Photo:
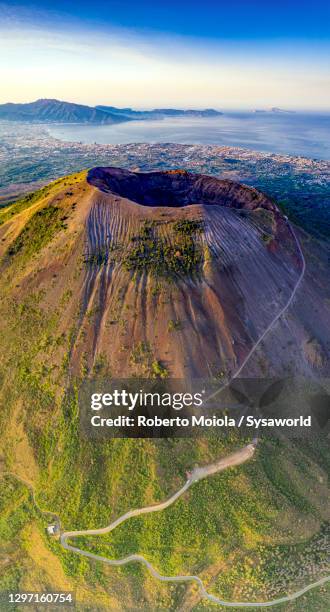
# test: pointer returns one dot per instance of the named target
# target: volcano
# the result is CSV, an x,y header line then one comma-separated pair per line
x,y
111,273
201,265
162,273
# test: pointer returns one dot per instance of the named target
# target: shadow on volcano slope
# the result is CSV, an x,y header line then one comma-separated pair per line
x,y
176,188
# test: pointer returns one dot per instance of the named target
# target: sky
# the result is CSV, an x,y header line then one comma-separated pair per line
x,y
145,54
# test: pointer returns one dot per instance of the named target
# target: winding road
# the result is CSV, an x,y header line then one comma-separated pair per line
x,y
197,474
275,320
285,307
234,459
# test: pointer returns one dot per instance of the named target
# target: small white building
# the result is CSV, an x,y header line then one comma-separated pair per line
x,y
52,530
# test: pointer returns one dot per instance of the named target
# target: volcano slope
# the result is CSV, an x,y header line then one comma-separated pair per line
x,y
165,274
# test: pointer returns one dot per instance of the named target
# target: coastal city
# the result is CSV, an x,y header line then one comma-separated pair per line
x,y
30,158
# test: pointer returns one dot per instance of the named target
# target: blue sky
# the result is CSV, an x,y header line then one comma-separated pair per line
x,y
238,54
237,20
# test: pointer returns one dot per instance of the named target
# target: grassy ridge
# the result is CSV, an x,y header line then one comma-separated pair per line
x,y
8,212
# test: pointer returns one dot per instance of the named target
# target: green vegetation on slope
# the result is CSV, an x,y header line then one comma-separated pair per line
x,y
240,523
244,511
17,207
38,232
144,363
25,202
16,510
236,534
152,253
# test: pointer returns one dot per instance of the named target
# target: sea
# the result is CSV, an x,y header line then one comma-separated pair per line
x,y
302,134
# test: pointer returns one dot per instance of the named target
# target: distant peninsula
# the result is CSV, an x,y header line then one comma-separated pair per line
x,y
159,113
56,111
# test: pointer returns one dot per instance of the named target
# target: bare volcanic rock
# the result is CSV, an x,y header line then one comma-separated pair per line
x,y
166,274
197,267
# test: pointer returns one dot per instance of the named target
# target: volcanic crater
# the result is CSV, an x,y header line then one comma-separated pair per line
x,y
177,189
194,269
162,273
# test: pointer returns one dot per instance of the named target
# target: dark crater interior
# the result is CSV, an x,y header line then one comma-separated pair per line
x,y
176,188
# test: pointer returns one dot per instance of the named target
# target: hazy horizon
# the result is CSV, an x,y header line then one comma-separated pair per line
x,y
132,106
167,56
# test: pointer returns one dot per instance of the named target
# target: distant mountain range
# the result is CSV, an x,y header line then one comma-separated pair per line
x,y
57,111
159,113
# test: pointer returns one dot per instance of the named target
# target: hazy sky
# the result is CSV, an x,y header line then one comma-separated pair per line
x,y
143,54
